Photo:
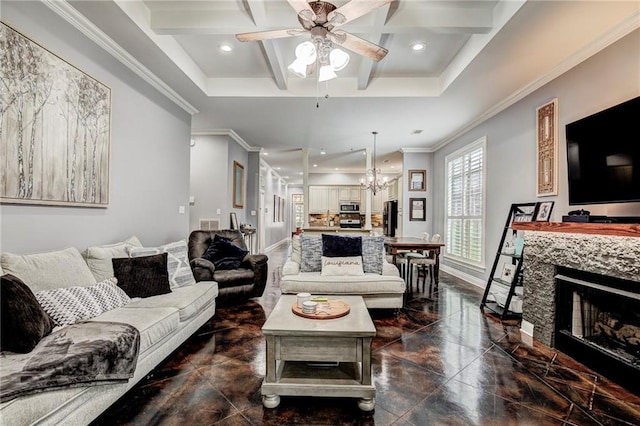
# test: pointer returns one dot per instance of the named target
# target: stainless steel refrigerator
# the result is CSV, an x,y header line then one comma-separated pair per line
x,y
390,218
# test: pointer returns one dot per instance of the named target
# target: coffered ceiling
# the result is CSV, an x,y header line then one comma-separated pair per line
x,y
479,58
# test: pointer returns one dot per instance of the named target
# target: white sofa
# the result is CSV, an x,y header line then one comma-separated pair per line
x,y
164,322
384,290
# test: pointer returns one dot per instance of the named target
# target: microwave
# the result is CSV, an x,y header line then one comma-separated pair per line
x,y
350,207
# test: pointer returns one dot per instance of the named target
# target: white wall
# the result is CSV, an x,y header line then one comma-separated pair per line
x,y
149,154
606,79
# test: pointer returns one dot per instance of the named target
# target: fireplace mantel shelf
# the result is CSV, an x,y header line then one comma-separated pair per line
x,y
617,229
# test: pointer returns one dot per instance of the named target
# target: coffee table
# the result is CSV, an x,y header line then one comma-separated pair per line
x,y
319,357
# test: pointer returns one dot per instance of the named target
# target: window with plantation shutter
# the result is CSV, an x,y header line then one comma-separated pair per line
x,y
464,204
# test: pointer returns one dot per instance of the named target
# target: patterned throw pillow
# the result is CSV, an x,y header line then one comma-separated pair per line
x,y
178,268
311,253
72,304
342,266
373,254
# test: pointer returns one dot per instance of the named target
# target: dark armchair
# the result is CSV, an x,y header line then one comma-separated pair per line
x,y
245,282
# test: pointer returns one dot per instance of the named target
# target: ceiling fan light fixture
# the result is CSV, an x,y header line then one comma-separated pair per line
x,y
306,53
326,73
298,68
338,59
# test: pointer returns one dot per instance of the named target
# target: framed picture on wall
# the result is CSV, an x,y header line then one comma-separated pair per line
x,y
417,209
547,149
276,204
281,209
417,180
238,185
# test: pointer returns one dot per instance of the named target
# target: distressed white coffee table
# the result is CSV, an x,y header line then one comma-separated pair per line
x,y
293,342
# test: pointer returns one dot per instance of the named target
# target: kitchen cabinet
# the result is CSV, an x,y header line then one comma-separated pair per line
x,y
333,200
393,190
377,201
318,199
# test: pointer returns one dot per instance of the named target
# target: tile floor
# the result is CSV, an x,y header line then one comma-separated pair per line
x,y
439,361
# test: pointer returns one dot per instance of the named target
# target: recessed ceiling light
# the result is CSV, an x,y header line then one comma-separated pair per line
x,y
337,168
315,165
300,173
226,48
265,153
418,46
322,152
278,168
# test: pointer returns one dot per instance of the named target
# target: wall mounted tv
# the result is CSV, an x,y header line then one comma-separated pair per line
x,y
603,156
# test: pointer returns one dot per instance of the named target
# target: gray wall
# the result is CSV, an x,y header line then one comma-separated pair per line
x,y
417,161
239,154
606,79
149,154
209,180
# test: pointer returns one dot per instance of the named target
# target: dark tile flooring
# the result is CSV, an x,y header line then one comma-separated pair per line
x,y
439,361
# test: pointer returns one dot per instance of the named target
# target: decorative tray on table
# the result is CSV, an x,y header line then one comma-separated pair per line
x,y
326,310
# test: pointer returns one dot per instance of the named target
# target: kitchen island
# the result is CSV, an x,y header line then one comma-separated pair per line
x,y
335,229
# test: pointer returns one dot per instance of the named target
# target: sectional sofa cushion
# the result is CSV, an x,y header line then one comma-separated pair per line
x,y
311,253
46,271
178,268
98,258
341,245
187,300
142,276
73,304
23,322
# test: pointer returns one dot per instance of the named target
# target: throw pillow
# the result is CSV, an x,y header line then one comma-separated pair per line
x,y
341,246
373,254
23,322
72,304
142,276
224,254
311,253
98,258
178,268
296,249
342,266
44,271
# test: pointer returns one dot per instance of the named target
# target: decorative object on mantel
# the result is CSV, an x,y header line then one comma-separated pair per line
x,y
543,211
68,163
547,149
373,181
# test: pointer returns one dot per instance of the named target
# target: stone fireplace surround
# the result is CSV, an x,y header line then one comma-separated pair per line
x,y
610,250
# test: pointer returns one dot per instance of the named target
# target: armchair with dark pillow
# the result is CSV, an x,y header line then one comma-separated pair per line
x,y
222,256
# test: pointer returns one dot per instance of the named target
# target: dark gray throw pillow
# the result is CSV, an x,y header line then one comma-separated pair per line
x,y
143,276
341,246
224,254
23,322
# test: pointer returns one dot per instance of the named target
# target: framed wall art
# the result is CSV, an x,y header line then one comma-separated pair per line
x,y
417,180
417,209
238,185
276,205
281,209
547,149
55,128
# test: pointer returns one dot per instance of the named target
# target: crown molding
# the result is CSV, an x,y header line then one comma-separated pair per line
x,y
67,12
624,28
416,150
232,134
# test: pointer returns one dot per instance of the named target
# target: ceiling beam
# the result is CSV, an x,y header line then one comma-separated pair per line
x,y
365,71
257,8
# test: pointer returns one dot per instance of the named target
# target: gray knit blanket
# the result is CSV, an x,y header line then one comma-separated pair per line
x,y
82,354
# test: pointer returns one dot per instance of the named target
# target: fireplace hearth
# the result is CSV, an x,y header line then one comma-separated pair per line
x,y
598,323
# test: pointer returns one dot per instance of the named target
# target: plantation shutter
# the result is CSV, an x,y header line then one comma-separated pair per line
x,y
465,205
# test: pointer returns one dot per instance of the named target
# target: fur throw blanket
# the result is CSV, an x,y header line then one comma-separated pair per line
x,y
81,354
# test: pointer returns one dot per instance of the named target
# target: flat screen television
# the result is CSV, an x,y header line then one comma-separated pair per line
x,y
603,156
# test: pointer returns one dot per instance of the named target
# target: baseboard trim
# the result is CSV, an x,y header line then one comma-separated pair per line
x,y
463,276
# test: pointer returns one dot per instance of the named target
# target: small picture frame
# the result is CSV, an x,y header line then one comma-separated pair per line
x,y
508,272
417,209
234,221
543,211
417,180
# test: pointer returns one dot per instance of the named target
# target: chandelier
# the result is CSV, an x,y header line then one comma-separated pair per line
x,y
321,53
373,181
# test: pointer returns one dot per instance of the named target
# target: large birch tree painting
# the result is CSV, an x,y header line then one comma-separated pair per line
x,y
55,124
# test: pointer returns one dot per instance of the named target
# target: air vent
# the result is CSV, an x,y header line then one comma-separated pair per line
x,y
416,132
209,224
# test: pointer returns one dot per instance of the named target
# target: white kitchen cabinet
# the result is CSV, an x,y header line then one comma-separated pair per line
x,y
333,199
355,194
377,201
318,199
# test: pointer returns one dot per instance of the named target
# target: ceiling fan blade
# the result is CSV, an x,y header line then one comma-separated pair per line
x,y
358,45
303,10
352,10
266,35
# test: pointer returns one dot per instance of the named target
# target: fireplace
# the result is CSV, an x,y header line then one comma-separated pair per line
x,y
598,323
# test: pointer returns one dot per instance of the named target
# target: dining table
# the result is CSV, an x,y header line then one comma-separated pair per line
x,y
420,245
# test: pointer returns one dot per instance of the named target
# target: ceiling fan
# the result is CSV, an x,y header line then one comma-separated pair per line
x,y
320,18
